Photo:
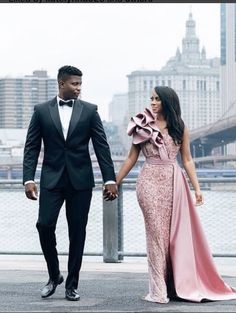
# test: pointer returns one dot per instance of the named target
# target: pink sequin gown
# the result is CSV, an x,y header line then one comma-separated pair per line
x,y
179,259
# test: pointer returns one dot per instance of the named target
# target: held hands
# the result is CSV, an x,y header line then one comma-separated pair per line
x,y
110,192
199,198
31,191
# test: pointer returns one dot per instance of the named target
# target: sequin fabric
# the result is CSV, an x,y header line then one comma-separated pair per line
x,y
155,196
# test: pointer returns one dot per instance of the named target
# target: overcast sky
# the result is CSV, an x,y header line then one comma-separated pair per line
x,y
106,41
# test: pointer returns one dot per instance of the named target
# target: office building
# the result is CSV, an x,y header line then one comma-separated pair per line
x,y
18,95
194,77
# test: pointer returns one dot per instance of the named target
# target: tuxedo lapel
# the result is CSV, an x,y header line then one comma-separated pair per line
x,y
75,116
55,116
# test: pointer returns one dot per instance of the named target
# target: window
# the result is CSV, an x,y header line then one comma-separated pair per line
x,y
144,85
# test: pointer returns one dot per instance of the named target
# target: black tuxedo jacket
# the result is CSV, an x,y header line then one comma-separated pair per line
x,y
72,153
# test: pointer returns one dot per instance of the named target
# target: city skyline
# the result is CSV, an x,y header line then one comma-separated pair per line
x,y
107,41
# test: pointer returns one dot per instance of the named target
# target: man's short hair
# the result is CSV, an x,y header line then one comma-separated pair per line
x,y
65,71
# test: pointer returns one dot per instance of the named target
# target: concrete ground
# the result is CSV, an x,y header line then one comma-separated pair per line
x,y
104,287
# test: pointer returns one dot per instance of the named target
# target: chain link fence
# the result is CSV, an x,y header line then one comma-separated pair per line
x,y
18,217
217,215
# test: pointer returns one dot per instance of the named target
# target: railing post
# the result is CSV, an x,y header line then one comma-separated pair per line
x,y
113,229
120,224
110,231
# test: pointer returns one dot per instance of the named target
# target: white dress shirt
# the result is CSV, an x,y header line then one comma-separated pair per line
x,y
65,115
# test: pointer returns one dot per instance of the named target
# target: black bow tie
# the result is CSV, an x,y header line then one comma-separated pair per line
x,y
69,103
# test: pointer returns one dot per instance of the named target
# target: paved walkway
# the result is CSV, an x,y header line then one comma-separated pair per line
x,y
104,287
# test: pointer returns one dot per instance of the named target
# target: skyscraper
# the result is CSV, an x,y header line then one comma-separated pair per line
x,y
118,116
118,108
228,58
228,64
19,95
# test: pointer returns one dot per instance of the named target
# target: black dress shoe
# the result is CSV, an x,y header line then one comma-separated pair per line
x,y
51,286
72,295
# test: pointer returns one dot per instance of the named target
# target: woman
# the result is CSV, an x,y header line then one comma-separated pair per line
x,y
179,259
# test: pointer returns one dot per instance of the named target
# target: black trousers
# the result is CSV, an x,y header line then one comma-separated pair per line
x,y
77,204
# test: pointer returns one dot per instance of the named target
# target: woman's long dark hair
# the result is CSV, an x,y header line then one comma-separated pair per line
x,y
171,112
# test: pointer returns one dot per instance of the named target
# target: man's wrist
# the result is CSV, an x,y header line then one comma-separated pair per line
x,y
29,182
110,182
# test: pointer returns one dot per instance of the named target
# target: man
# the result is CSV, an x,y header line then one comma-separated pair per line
x,y
65,124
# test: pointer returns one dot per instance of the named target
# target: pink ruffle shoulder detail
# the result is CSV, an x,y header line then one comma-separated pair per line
x,y
143,128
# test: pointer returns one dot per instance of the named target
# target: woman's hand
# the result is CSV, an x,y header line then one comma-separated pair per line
x,y
199,198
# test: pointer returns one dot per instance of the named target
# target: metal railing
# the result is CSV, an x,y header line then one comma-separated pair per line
x,y
115,229
218,216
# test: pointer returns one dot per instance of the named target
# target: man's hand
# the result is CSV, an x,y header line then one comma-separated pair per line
x,y
110,192
31,191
